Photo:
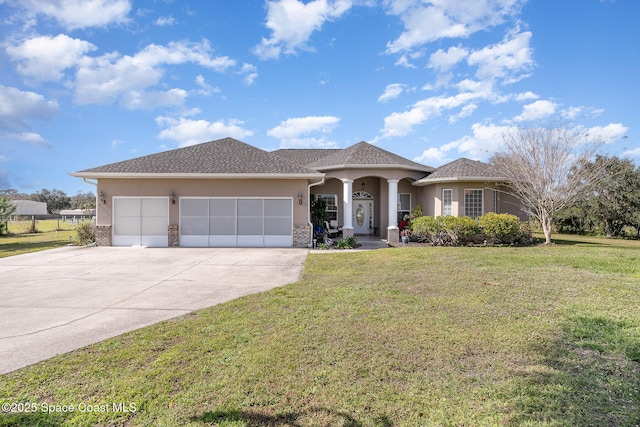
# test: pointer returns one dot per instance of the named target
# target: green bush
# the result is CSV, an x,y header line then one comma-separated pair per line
x,y
85,233
501,228
460,231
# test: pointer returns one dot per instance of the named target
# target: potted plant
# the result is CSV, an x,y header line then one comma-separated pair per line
x,y
404,234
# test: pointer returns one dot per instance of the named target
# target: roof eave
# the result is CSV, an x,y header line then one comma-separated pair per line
x,y
428,181
364,166
128,175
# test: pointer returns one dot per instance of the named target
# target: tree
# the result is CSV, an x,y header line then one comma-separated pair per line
x,y
56,200
617,195
545,168
7,208
83,200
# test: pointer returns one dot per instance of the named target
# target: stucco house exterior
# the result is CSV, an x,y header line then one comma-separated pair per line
x,y
227,193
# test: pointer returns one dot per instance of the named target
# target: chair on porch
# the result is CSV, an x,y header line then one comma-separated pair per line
x,y
332,229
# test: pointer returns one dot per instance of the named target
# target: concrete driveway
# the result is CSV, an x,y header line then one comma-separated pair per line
x,y
59,300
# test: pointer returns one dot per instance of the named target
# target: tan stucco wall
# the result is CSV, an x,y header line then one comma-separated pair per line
x,y
202,188
493,201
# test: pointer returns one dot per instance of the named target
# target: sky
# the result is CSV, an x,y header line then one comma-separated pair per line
x,y
85,83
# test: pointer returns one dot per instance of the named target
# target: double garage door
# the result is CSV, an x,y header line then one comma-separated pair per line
x,y
220,222
243,222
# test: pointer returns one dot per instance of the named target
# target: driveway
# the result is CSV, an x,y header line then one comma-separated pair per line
x,y
59,300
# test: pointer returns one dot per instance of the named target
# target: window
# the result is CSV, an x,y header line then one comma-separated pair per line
x,y
447,197
473,202
332,205
404,205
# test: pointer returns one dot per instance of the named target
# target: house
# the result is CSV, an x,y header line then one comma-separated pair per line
x,y
227,193
73,215
29,208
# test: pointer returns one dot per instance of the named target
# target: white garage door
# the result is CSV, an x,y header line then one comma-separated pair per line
x,y
140,221
229,222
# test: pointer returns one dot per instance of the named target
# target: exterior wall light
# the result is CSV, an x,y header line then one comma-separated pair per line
x,y
362,185
300,195
172,197
102,199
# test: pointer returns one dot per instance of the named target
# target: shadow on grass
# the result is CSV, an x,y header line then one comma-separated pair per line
x,y
254,419
32,419
591,377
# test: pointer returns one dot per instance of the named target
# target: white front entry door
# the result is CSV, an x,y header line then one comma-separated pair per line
x,y
363,216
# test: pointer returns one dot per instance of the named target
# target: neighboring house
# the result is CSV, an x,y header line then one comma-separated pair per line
x,y
77,214
29,208
228,193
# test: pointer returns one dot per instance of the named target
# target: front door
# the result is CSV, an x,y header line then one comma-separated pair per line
x,y
363,216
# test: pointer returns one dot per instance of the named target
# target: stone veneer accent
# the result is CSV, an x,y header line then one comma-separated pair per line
x,y
174,237
301,236
103,235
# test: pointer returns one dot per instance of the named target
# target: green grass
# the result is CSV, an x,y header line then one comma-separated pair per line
x,y
540,336
50,234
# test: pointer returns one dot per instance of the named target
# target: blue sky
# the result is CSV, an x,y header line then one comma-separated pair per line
x,y
89,82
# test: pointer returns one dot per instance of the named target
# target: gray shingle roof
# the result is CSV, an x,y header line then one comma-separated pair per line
x,y
305,156
223,156
366,155
462,169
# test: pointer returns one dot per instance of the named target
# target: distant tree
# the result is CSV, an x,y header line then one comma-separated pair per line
x,y
617,195
56,200
545,167
13,194
83,200
6,210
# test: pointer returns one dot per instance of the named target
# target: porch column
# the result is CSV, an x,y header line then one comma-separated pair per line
x,y
392,230
347,209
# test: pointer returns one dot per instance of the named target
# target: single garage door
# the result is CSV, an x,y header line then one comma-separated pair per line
x,y
230,222
140,221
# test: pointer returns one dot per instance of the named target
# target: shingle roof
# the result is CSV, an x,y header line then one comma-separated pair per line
x,y
305,156
463,169
223,156
364,155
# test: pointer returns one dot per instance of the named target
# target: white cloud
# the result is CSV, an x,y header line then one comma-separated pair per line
x,y
436,155
189,132
425,22
608,133
110,77
292,22
18,107
44,58
504,60
632,153
444,61
165,21
293,128
392,91
526,96
537,110
205,88
28,137
249,72
77,14
486,140
402,123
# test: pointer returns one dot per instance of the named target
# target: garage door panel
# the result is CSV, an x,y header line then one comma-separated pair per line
x,y
195,226
222,207
222,226
278,241
127,226
223,241
276,207
194,207
277,226
250,207
250,227
256,241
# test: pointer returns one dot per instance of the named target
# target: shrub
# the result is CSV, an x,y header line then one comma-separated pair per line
x,y
85,233
501,228
445,230
348,243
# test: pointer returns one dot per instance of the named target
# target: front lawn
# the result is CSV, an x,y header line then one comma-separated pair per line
x,y
536,336
49,234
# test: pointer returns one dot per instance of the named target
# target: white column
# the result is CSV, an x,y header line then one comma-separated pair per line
x,y
392,230
347,203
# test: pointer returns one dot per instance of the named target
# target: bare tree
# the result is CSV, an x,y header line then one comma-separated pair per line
x,y
546,168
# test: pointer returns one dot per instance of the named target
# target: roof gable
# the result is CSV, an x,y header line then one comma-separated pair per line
x,y
305,156
463,170
365,155
223,156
